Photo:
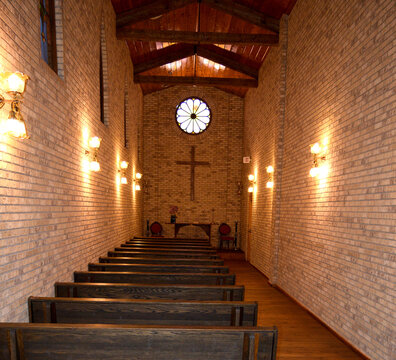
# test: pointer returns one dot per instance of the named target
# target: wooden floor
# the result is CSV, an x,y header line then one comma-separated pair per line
x,y
300,335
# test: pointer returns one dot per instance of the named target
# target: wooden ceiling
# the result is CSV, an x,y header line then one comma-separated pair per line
x,y
219,43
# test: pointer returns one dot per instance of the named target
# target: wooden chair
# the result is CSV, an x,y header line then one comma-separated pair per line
x,y
156,229
225,230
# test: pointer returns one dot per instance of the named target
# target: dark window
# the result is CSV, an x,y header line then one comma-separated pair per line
x,y
101,80
48,33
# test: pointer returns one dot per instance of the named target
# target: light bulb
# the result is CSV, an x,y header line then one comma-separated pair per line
x,y
15,82
315,148
137,187
14,125
250,189
270,169
270,184
251,177
94,166
124,180
138,176
313,172
94,142
124,164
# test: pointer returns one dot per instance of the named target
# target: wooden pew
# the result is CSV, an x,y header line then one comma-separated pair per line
x,y
166,246
175,251
169,261
178,239
147,291
122,342
162,255
153,278
148,312
158,268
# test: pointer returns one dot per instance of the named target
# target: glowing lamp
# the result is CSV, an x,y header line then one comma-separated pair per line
x,y
270,169
251,177
14,83
94,166
138,176
316,148
94,142
124,180
124,164
250,189
270,184
314,171
137,187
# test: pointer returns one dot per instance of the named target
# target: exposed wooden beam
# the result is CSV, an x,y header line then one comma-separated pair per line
x,y
150,10
164,56
245,13
197,37
227,58
190,80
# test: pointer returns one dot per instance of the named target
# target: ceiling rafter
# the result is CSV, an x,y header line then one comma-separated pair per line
x,y
193,80
227,58
148,11
164,56
160,7
211,52
192,37
245,13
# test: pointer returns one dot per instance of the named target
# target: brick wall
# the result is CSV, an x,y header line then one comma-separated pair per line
x,y
216,192
336,235
55,216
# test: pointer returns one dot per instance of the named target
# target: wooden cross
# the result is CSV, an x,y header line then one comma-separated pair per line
x,y
193,164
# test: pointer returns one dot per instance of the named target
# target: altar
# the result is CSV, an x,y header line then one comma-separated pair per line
x,y
207,227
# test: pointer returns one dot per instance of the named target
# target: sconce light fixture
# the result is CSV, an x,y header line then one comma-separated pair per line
x,y
270,182
94,144
122,171
318,152
14,85
252,180
138,176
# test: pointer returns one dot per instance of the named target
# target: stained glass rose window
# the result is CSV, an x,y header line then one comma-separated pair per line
x,y
193,116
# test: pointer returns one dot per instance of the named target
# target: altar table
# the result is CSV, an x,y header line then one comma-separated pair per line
x,y
205,227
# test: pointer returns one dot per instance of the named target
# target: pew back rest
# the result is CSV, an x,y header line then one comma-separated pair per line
x,y
158,268
122,342
154,278
149,312
155,291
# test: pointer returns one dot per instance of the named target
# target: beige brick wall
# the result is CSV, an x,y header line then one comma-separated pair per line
x,y
337,235
55,217
216,192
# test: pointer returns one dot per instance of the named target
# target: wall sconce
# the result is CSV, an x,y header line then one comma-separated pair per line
x,y
270,182
239,187
14,85
94,144
122,171
137,179
319,157
252,180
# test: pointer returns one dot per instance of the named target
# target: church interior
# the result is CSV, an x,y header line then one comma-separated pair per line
x,y
260,134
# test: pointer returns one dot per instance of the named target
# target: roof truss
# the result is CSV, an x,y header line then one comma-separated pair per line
x,y
160,7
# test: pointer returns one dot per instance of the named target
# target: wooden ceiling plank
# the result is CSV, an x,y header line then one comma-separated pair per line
x,y
245,13
191,80
150,10
197,37
226,58
164,56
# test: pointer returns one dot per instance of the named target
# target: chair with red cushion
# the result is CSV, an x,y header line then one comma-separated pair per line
x,y
156,229
224,230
